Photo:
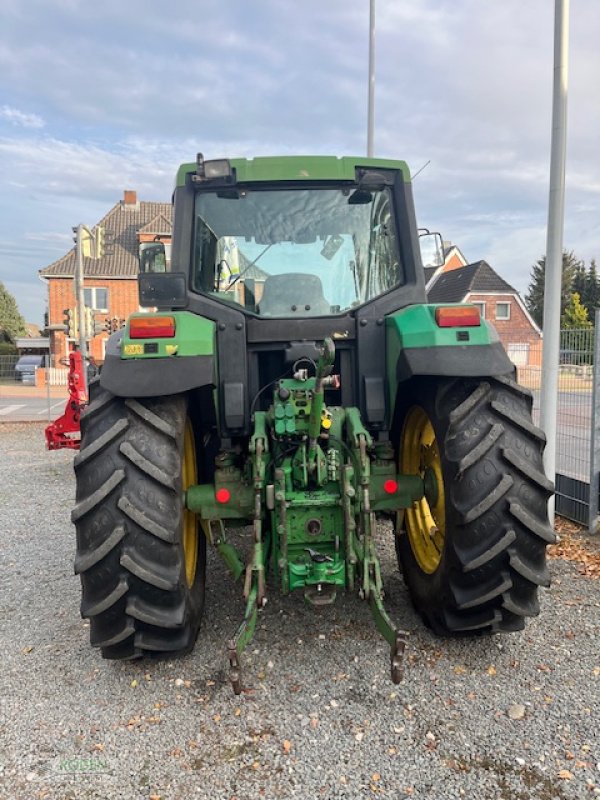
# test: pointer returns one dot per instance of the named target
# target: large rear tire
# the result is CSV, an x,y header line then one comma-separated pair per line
x,y
140,554
473,550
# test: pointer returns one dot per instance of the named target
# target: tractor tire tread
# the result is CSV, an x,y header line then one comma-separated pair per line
x,y
162,579
470,562
85,560
528,609
520,420
101,442
146,465
540,529
497,529
538,576
102,398
129,517
99,496
483,593
481,449
102,604
146,522
151,418
466,407
526,469
479,509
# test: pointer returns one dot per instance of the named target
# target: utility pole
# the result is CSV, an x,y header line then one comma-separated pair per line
x,y
80,299
554,242
371,110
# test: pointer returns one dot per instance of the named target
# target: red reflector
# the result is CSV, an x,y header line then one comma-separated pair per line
x,y
457,317
151,327
223,495
390,487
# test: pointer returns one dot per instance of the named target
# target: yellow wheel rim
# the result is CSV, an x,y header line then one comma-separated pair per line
x,y
426,519
189,477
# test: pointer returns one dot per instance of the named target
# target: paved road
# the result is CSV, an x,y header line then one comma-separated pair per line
x,y
574,425
36,408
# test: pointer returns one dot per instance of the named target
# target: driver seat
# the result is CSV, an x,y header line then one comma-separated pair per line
x,y
296,292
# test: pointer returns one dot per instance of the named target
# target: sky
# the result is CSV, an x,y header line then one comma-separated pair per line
x,y
96,98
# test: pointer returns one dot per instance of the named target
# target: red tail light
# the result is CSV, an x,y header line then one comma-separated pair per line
x,y
457,317
223,495
151,327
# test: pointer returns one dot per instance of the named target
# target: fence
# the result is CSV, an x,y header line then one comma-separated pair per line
x,y
576,461
32,388
21,369
7,368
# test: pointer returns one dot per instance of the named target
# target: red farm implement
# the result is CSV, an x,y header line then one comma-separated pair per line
x,y
64,431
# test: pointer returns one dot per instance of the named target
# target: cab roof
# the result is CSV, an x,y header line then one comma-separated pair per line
x,y
300,168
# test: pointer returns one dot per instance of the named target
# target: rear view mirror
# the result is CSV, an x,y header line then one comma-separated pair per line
x,y
432,248
153,257
331,246
360,197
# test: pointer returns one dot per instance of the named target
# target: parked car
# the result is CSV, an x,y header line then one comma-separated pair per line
x,y
26,366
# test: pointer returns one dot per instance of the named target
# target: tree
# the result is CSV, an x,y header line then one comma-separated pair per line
x,y
11,321
579,280
575,315
591,291
534,299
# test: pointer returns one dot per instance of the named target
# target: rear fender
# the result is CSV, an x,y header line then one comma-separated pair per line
x,y
156,367
416,345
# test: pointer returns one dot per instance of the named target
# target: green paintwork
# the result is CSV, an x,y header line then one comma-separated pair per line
x,y
291,415
356,428
313,521
231,558
382,621
194,336
410,489
415,327
201,500
300,168
303,572
245,632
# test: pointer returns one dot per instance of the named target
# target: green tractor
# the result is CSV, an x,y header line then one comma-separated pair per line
x,y
290,377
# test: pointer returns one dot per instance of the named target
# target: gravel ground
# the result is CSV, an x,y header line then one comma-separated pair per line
x,y
510,717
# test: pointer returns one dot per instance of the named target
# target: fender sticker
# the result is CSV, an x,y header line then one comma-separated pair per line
x,y
133,349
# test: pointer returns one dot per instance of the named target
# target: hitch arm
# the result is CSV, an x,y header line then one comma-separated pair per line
x,y
242,638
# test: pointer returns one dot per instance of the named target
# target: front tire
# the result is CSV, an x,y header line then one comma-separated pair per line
x,y
473,549
140,554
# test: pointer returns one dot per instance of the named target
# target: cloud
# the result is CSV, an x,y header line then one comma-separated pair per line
x,y
20,118
87,169
124,94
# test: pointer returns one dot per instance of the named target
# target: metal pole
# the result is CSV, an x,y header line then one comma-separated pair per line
x,y
554,242
371,112
593,518
81,302
48,365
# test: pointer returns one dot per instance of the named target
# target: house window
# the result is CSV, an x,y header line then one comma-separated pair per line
x,y
481,306
502,310
518,352
96,297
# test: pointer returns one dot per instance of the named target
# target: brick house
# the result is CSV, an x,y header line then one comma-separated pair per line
x,y
498,302
110,283
453,259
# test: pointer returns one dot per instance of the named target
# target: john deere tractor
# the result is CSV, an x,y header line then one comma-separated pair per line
x,y
290,379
